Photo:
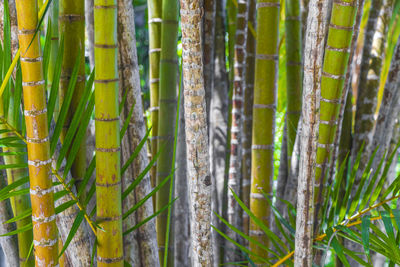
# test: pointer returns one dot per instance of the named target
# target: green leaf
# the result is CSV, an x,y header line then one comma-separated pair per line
x,y
126,122
337,247
14,185
65,105
365,222
18,231
149,218
46,50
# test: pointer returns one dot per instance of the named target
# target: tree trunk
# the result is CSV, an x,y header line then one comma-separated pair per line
x,y
181,206
196,134
130,83
313,58
388,111
166,122
235,164
371,65
108,178
264,108
41,191
218,132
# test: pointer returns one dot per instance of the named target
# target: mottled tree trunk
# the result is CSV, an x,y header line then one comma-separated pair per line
x,y
181,206
367,98
218,130
389,109
313,58
196,134
142,241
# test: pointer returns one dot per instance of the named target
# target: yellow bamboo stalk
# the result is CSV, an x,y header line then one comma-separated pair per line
x,y
108,179
43,217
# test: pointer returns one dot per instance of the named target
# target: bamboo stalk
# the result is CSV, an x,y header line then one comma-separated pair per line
x,y
196,134
166,125
108,180
72,25
155,19
54,9
43,217
239,81
265,86
248,112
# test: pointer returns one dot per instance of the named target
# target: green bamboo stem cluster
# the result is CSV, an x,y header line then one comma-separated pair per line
x,y
336,59
167,113
108,179
155,8
264,109
72,25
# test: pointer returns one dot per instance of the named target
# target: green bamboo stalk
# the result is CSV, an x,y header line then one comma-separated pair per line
x,y
41,192
265,85
154,9
248,112
108,180
167,114
232,11
72,26
293,72
336,59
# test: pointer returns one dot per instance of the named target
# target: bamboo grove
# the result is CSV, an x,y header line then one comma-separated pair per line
x,y
199,133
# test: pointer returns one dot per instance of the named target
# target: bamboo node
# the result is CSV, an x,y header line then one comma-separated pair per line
x,y
331,122
344,3
31,60
109,150
42,219
333,101
155,20
262,147
34,113
336,49
152,109
37,140
37,191
26,31
108,219
156,80
104,6
106,80
108,185
267,56
71,17
38,163
267,4
35,83
45,242
339,27
154,50
107,119
106,46
333,76
264,106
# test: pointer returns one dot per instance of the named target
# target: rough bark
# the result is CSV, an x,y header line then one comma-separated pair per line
x,y
78,252
367,95
181,206
389,109
196,134
130,81
313,57
218,130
